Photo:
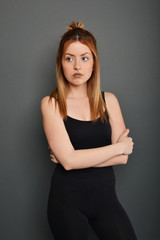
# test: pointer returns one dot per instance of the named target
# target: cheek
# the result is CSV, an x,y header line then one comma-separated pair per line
x,y
91,65
89,68
65,70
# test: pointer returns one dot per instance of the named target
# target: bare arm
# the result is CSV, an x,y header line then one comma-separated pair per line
x,y
117,126
120,159
62,148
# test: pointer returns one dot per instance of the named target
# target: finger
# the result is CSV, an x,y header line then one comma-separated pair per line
x,y
54,160
126,132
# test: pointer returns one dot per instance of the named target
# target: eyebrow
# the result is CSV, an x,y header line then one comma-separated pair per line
x,y
81,54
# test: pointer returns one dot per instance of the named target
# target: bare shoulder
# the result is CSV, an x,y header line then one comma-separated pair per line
x,y
45,100
111,99
48,105
115,116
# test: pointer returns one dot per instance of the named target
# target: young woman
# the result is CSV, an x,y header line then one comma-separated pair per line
x,y
86,134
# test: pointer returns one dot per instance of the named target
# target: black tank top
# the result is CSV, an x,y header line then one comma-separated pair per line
x,y
85,135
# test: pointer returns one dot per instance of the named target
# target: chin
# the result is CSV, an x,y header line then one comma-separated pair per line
x,y
77,82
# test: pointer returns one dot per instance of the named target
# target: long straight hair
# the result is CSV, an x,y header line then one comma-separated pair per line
x,y
76,32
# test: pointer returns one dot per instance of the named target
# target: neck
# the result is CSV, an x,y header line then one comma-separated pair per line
x,y
78,92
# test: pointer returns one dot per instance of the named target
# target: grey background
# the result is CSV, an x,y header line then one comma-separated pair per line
x,y
128,39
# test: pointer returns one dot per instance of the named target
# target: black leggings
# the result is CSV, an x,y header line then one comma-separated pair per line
x,y
70,212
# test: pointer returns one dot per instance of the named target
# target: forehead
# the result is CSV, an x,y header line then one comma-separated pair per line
x,y
76,48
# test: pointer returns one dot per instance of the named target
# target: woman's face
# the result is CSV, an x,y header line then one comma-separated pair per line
x,y
77,63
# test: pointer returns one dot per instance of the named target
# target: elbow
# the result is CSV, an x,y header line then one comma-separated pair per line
x,y
67,161
67,167
125,159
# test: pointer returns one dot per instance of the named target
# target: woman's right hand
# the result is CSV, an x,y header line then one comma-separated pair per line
x,y
127,142
52,156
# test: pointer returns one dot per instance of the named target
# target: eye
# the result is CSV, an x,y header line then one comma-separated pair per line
x,y
84,59
68,59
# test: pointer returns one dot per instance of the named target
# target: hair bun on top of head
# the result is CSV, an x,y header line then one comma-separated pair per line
x,y
74,25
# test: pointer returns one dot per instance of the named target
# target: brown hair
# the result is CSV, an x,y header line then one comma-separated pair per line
x,y
76,32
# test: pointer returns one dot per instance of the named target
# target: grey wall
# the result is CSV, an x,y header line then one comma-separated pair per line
x,y
128,39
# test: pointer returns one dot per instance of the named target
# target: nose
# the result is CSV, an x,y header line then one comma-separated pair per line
x,y
77,65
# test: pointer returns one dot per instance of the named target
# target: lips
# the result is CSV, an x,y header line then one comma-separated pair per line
x,y
77,75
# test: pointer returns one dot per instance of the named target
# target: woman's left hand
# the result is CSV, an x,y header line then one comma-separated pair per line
x,y
52,157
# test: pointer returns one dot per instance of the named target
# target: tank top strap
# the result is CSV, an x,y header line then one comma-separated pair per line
x,y
102,92
106,111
